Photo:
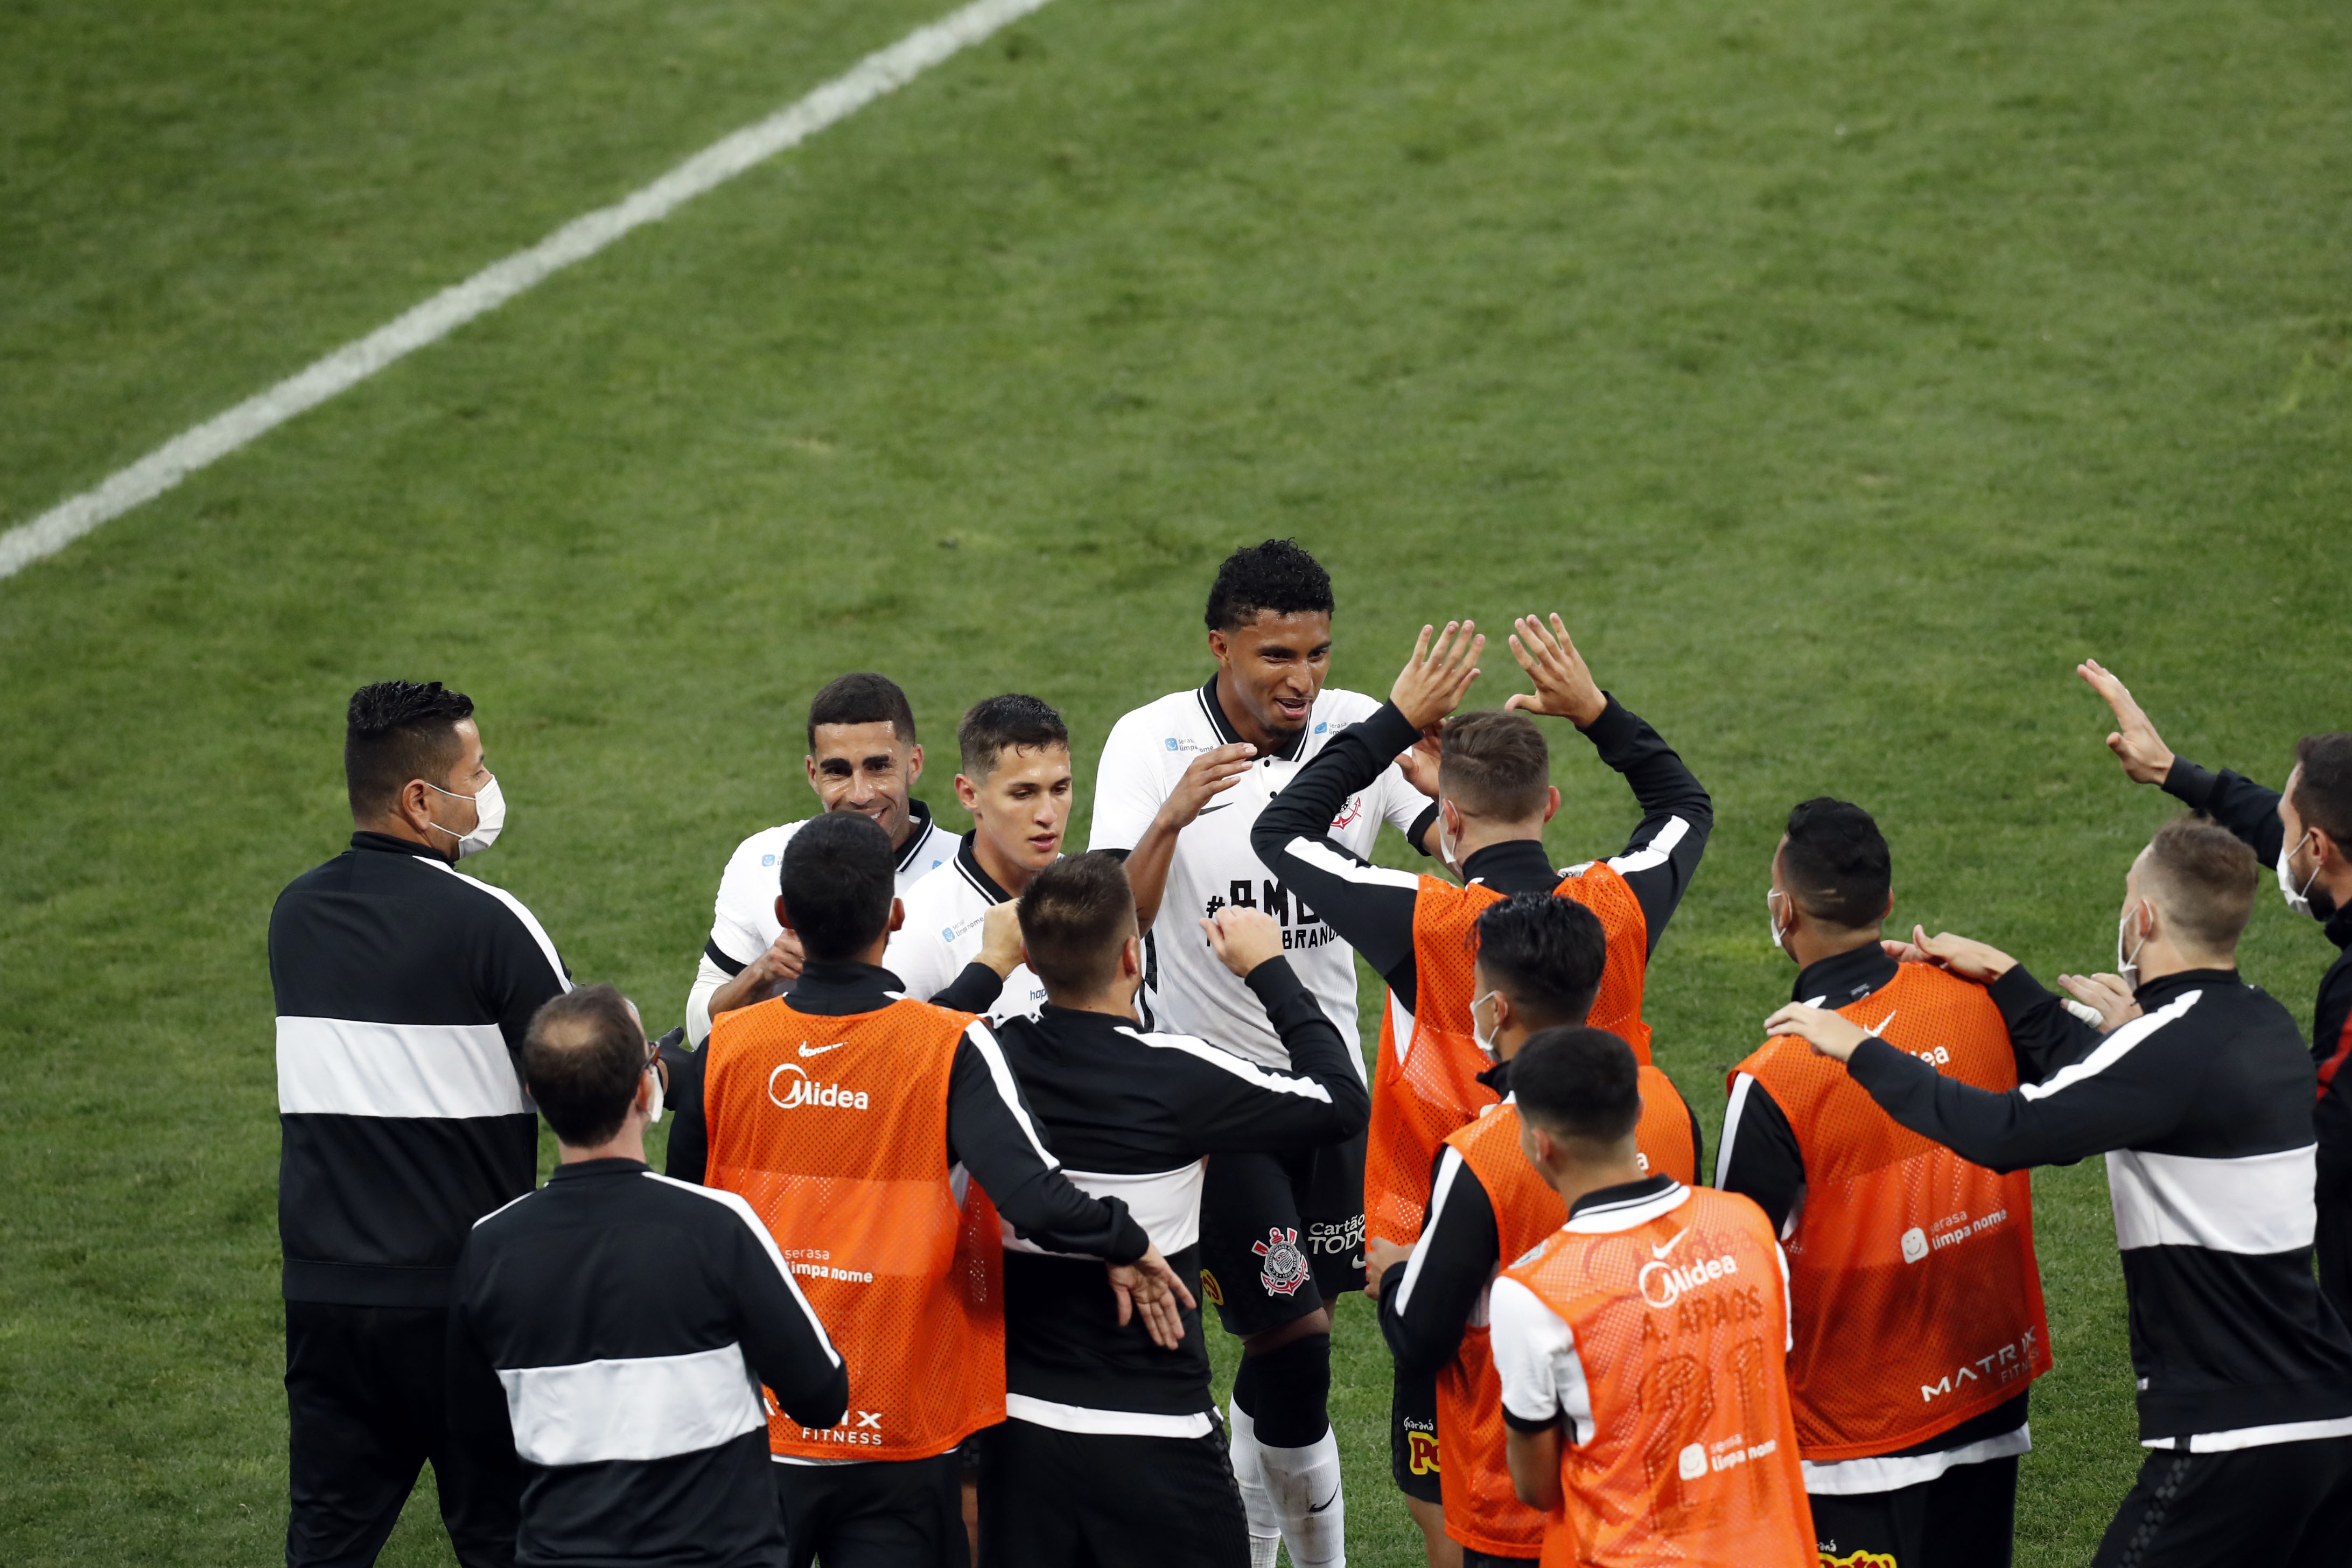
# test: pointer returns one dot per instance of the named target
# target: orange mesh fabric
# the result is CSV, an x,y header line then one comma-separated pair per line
x,y
1426,1084
1693,1455
1918,1302
834,1130
1481,1510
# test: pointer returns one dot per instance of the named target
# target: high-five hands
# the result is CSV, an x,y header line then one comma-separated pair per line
x,y
1149,1287
2134,741
1564,686
1435,679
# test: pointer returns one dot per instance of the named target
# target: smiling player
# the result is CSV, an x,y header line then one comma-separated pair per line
x,y
1181,782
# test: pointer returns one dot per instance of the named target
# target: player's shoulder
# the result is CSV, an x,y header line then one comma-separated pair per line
x,y
762,852
943,887
932,851
690,1205
1336,708
1173,726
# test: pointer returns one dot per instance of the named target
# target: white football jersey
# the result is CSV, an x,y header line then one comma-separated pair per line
x,y
743,921
1188,991
941,933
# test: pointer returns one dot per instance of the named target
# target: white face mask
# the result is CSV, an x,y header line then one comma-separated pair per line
x,y
490,816
1485,1035
653,1112
2297,899
2127,963
1445,844
1771,921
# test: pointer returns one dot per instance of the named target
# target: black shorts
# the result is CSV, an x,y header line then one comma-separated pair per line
x,y
1965,1517
887,1513
1048,1497
2283,1505
1413,1437
1282,1233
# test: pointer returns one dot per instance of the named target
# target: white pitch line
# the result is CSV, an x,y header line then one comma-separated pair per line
x,y
845,95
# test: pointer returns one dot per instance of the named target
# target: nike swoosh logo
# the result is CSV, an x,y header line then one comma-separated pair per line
x,y
1219,807
1357,1262
1660,1252
809,1050
1327,1502
1880,1032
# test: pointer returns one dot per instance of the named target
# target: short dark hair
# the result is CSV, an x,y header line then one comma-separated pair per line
x,y
839,876
1836,864
582,1060
1076,915
1011,719
1579,1083
862,697
2323,796
1494,764
396,731
1545,953
2205,879
1276,574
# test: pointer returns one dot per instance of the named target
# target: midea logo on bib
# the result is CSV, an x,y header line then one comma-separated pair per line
x,y
801,1089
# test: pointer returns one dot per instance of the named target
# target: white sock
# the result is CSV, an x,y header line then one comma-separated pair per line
x,y
1305,1486
1264,1524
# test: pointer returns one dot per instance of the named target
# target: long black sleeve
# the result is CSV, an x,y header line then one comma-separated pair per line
x,y
1369,907
1663,854
2043,1035
780,1335
690,1128
1235,1106
991,1134
2236,801
1760,1158
476,1402
1426,1302
973,991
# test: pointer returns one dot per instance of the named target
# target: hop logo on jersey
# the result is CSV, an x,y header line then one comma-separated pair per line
x,y
1859,1559
1285,1267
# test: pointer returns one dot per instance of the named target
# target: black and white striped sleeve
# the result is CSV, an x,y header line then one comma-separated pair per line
x,y
518,968
1759,1157
1230,1105
780,1333
992,1135
2129,1092
1426,1300
1663,854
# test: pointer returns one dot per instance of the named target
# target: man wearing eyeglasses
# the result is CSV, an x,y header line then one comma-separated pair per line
x,y
613,1329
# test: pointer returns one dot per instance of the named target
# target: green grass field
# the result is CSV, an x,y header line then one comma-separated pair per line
x,y
1843,373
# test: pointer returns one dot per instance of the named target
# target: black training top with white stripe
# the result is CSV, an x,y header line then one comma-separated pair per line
x,y
403,990
1136,1116
2202,1107
615,1328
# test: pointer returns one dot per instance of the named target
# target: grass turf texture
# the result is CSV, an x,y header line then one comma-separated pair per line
x,y
1845,374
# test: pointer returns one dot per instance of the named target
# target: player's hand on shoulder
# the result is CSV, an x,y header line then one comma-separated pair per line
x,y
1830,1033
1438,675
1000,938
1564,684
2134,741
1244,939
1967,958
1206,777
1152,1290
2104,994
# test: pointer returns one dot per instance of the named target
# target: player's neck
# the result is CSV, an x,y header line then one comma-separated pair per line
x,y
1007,874
1580,1181
1112,1003
1244,725
1809,945
1478,836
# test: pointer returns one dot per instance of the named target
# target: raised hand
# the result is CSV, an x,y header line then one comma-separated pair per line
x,y
1564,686
1244,939
2134,741
1208,776
1000,938
1436,677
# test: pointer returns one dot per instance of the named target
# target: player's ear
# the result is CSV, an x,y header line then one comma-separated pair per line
x,y
809,761
1551,802
967,793
914,763
1218,647
898,913
1131,957
783,916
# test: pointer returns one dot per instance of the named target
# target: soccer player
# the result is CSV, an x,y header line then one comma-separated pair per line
x,y
404,989
615,1328
2304,830
1111,1451
857,1123
862,757
1495,795
1640,1347
1181,782
1541,959
1016,783
2202,1107
1919,1318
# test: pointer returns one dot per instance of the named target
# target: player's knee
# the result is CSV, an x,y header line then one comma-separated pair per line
x,y
1292,1385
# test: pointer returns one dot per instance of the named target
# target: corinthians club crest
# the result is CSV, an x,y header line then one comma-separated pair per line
x,y
1285,1267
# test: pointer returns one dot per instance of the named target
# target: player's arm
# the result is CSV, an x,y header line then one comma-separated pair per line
x,y
1231,1105
519,969
689,1128
976,988
2238,804
1543,1388
1427,1299
1760,1158
779,1331
992,1135
1139,817
2110,1100
479,1427
1369,907
1663,854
